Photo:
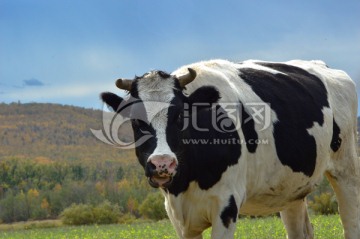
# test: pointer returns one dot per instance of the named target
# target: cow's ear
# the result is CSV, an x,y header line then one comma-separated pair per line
x,y
111,100
205,94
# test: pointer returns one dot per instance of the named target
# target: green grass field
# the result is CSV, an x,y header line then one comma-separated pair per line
x,y
325,227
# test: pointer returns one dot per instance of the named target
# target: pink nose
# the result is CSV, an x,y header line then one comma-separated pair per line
x,y
165,165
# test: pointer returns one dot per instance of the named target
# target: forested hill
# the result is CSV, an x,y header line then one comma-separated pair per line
x,y
49,160
54,132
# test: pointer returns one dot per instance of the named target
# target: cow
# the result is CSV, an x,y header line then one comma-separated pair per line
x,y
212,164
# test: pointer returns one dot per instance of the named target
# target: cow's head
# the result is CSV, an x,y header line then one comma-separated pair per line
x,y
157,108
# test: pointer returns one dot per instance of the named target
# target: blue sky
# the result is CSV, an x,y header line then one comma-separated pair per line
x,y
68,52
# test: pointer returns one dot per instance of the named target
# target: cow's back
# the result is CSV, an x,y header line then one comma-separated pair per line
x,y
306,99
341,90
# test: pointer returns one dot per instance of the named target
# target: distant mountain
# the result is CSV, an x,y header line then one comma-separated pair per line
x,y
53,132
56,132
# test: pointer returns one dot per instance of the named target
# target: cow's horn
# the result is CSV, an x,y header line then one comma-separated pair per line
x,y
124,84
187,78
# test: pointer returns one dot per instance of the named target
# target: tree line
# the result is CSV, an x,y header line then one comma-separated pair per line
x,y
49,160
32,190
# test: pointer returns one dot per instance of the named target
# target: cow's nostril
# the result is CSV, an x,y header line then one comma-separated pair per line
x,y
150,169
151,165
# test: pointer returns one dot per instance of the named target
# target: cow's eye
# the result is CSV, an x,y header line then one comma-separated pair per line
x,y
179,120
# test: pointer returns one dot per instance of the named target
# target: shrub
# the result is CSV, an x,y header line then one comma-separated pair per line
x,y
153,206
127,219
106,213
81,214
324,204
78,214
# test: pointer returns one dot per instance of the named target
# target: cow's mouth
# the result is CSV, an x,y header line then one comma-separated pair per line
x,y
157,181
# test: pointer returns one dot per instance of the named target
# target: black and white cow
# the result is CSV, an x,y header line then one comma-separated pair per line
x,y
210,169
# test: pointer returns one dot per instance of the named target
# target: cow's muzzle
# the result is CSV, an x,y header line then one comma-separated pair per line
x,y
160,170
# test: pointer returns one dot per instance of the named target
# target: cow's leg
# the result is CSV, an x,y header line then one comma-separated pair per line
x,y
176,225
224,223
345,180
348,196
296,221
219,230
171,217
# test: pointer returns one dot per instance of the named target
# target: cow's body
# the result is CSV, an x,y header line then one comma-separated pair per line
x,y
312,131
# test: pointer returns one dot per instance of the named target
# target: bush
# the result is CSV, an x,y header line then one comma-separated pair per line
x,y
78,214
153,206
106,213
82,214
127,219
324,204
